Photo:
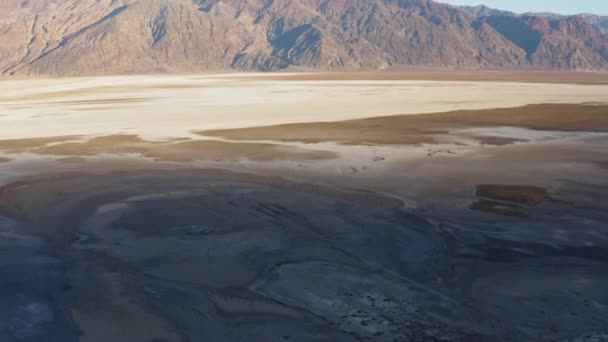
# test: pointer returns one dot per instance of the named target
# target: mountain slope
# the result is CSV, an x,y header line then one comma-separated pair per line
x,y
600,23
552,40
75,37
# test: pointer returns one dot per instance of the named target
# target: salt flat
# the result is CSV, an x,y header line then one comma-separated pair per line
x,y
174,106
301,208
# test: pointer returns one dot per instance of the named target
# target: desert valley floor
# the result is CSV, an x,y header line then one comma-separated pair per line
x,y
305,207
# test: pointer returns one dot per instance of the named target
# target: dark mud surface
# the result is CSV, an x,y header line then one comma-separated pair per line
x,y
217,256
509,200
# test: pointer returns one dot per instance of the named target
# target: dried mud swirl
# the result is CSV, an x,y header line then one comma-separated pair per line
x,y
213,255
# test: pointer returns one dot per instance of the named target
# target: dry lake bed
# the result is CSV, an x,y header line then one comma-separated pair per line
x,y
305,207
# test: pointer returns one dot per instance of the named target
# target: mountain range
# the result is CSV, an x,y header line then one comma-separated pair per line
x,y
600,23
86,37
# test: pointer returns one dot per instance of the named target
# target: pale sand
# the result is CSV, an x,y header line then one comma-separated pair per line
x,y
173,106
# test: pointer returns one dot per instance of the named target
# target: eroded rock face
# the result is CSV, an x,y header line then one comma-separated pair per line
x,y
48,37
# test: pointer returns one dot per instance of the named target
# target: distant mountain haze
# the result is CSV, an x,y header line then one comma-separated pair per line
x,y
86,37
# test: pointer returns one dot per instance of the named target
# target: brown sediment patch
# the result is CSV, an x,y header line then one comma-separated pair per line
x,y
18,145
226,151
4,160
497,141
473,76
116,139
178,150
425,128
549,117
111,144
541,163
520,194
358,132
508,200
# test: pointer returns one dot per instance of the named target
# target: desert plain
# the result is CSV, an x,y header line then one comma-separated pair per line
x,y
405,206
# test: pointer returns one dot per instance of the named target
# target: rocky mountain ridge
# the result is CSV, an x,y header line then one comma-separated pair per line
x,y
84,37
599,23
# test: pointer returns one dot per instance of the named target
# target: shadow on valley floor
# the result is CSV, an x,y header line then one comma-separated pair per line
x,y
192,255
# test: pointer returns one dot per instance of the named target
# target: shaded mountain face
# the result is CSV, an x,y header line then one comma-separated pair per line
x,y
581,39
76,37
599,23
